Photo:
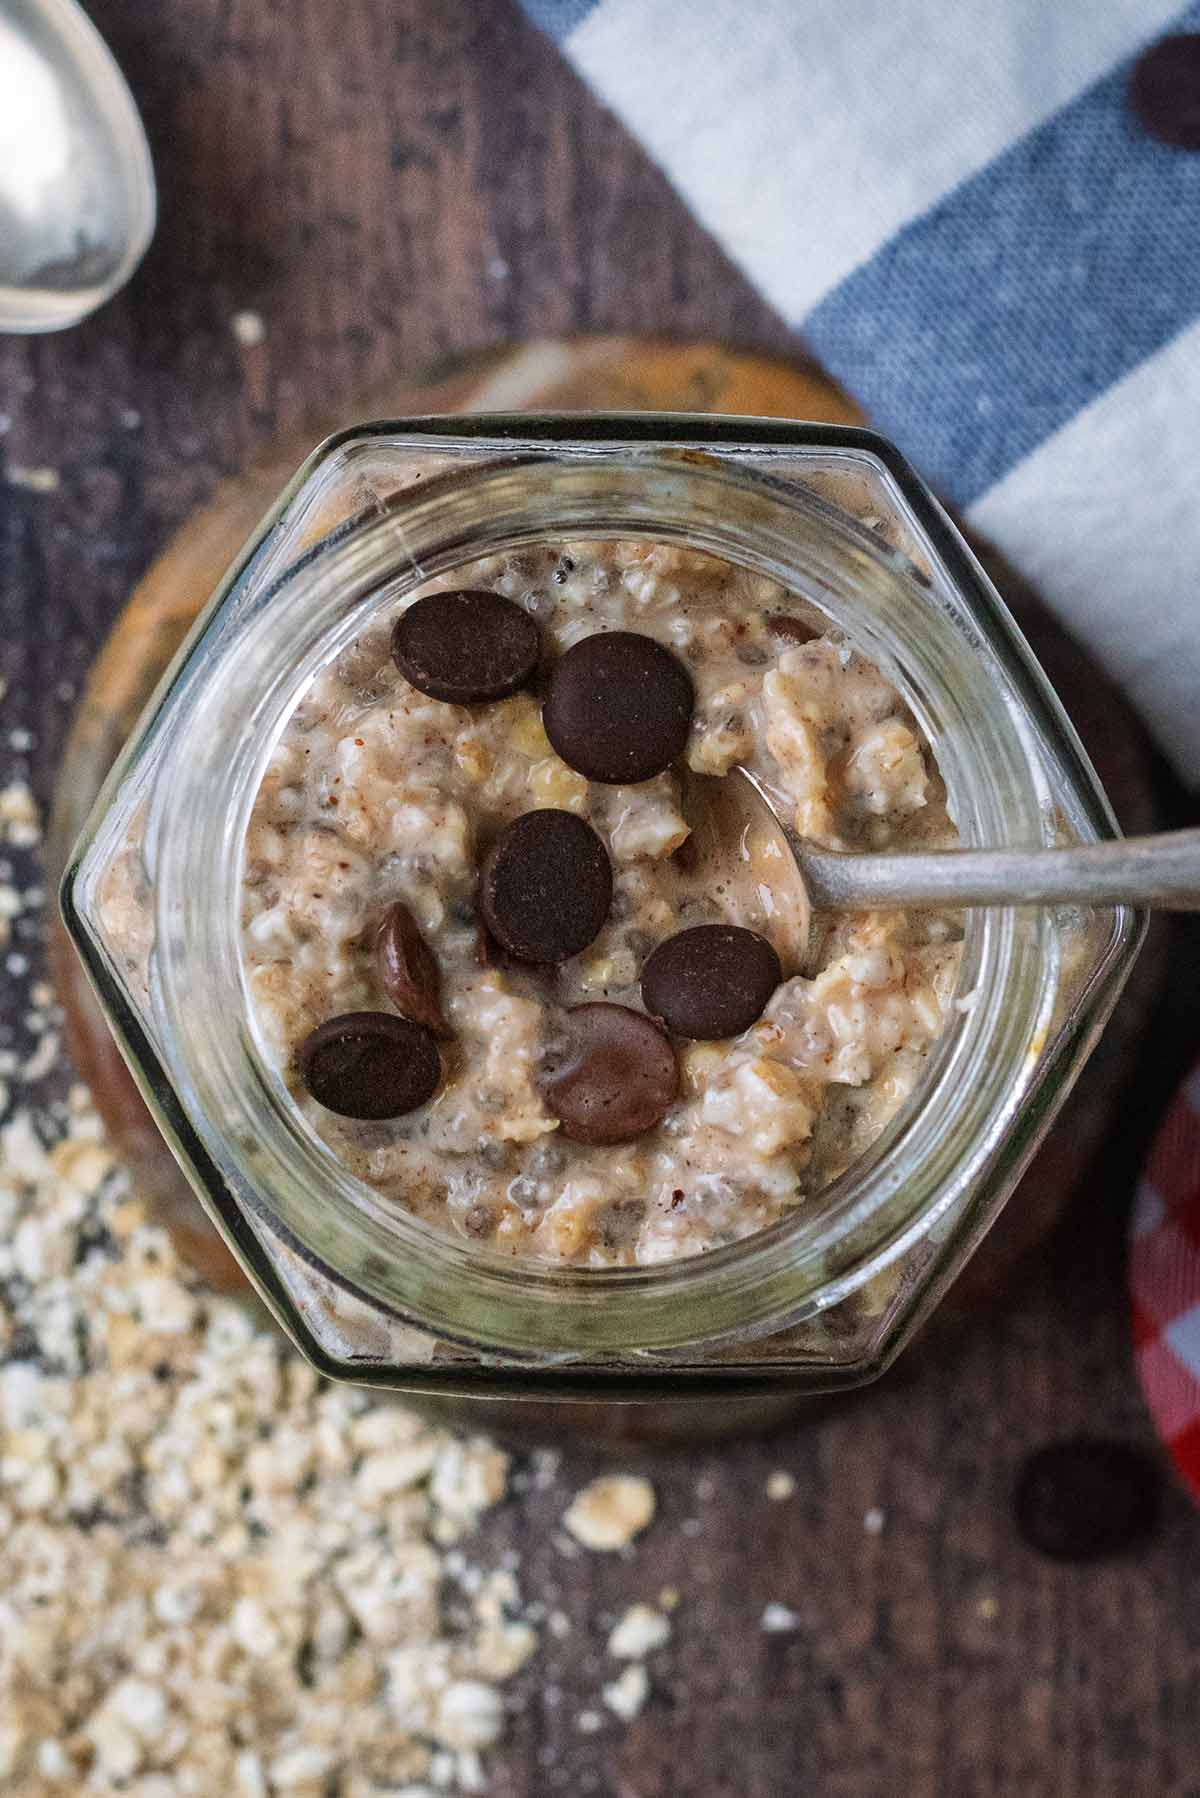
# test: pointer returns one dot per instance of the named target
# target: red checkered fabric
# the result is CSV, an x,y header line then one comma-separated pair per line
x,y
1164,1281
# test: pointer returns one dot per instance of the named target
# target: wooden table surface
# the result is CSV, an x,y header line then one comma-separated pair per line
x,y
387,182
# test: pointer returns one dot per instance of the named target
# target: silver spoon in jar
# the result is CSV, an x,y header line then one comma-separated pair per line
x,y
779,879
77,203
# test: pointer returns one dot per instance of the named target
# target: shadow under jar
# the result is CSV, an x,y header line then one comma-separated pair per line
x,y
822,1299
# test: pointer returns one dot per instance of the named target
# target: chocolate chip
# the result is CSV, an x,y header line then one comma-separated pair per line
x,y
1083,1499
408,970
611,1074
618,707
1164,90
545,886
370,1064
466,646
711,981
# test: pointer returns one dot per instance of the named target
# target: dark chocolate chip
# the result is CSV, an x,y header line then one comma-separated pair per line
x,y
610,1075
711,981
1083,1499
1164,90
545,886
408,970
466,646
370,1064
618,707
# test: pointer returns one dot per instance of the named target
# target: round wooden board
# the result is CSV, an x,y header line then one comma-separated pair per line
x,y
590,374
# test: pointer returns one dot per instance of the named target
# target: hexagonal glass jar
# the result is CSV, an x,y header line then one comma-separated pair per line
x,y
822,1300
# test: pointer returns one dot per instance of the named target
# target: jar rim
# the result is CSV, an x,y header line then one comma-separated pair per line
x,y
224,726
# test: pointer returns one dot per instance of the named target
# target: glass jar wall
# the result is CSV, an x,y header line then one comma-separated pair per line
x,y
824,1301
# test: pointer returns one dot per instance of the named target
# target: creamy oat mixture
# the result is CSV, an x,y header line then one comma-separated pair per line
x,y
377,793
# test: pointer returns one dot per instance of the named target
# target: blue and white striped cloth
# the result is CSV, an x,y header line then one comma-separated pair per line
x,y
954,205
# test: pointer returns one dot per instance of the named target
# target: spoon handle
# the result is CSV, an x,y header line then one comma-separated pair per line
x,y
1160,871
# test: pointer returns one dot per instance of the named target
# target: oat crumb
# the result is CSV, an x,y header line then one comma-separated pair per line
x,y
607,1514
588,1722
640,1631
874,1520
780,1619
34,480
626,1694
780,1485
544,1466
469,1715
248,329
43,1059
20,824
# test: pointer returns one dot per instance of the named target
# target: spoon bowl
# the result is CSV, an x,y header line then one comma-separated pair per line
x,y
77,198
751,868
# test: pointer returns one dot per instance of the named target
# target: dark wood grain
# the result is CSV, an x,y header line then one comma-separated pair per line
x,y
388,181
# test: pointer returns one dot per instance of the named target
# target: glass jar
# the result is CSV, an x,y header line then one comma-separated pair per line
x,y
821,1301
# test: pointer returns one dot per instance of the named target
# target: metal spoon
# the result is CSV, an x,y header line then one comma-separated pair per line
x,y
77,203
780,880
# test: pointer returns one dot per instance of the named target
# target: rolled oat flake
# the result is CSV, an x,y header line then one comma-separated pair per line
x,y
370,1065
466,646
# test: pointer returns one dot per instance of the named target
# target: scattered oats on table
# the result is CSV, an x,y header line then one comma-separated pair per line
x,y
780,1619
626,1694
20,824
34,480
607,1514
640,1631
248,329
219,1574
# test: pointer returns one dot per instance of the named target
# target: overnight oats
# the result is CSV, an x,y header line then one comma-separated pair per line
x,y
503,975
435,912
